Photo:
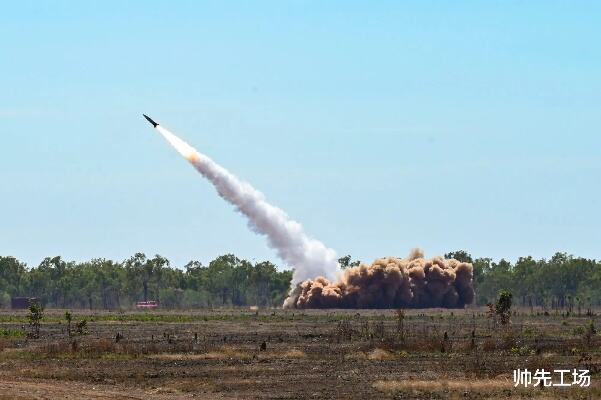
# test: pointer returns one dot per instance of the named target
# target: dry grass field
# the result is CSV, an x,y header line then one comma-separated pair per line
x,y
281,354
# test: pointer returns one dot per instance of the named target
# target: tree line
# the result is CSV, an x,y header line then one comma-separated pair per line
x,y
563,281
106,284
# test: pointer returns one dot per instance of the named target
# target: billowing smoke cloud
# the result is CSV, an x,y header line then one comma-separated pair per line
x,y
413,282
308,256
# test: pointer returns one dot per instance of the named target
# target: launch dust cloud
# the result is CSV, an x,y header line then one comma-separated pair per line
x,y
413,282
388,282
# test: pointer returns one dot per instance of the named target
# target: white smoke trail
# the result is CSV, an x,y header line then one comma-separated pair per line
x,y
308,256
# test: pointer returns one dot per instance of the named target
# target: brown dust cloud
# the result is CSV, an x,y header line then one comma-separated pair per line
x,y
391,282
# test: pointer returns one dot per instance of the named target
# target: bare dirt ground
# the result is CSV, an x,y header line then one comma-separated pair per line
x,y
284,354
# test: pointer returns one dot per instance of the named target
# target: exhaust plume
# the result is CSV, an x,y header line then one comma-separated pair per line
x,y
308,256
412,282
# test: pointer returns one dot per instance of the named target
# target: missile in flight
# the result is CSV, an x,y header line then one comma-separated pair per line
x,y
154,124
309,256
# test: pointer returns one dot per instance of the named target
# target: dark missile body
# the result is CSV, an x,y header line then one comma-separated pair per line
x,y
154,124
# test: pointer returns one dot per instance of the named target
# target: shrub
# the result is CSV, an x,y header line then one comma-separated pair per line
x,y
82,327
36,313
590,327
503,306
69,318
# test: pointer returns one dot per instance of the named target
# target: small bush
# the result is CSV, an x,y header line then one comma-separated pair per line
x,y
69,318
589,331
503,306
590,328
36,313
82,327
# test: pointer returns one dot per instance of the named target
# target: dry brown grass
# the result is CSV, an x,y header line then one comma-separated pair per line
x,y
230,352
53,349
101,346
356,355
380,354
73,390
222,358
445,385
13,353
376,354
225,352
294,353
489,344
426,344
489,388
177,356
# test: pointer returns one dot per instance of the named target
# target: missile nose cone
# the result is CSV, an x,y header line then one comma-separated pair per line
x,y
154,124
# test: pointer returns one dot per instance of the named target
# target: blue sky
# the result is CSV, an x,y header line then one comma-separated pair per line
x,y
380,126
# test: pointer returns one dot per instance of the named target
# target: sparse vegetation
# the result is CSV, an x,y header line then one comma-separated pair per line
x,y
189,349
11,333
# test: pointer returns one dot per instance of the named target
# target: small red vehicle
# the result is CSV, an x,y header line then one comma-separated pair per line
x,y
147,304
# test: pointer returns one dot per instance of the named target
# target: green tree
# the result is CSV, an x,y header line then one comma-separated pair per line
x,y
68,318
460,255
36,313
503,306
12,276
345,262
